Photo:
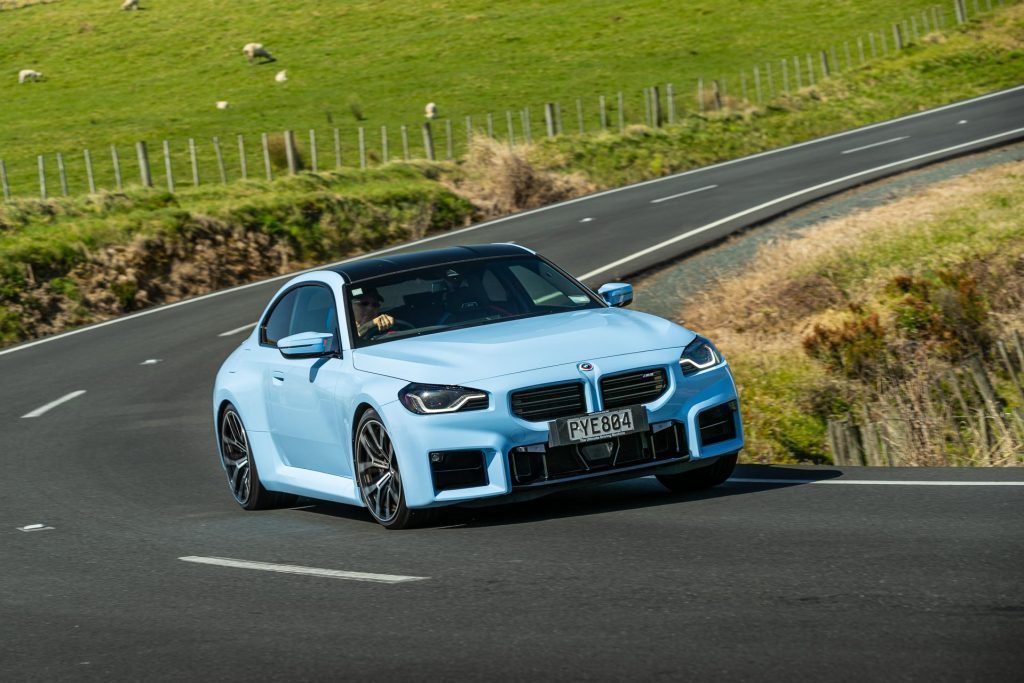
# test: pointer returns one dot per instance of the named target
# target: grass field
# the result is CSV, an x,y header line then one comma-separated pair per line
x,y
119,77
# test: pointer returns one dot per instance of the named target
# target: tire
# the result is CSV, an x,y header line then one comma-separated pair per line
x,y
701,478
243,477
378,477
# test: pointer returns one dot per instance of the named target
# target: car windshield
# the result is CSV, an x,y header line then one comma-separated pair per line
x,y
439,298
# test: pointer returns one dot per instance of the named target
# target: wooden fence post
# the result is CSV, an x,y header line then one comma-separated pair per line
x,y
579,115
490,125
670,97
961,11
716,93
289,152
167,166
362,147
268,169
549,118
337,148
511,128
796,71
145,173
117,166
242,164
405,142
449,140
603,112
3,181
771,80
90,178
220,161
757,83
314,166
622,112
63,174
656,105
428,140
825,71
385,157
194,161
897,36
42,177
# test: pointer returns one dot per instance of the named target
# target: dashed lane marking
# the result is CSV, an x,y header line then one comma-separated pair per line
x,y
308,571
151,361
235,331
683,194
53,404
875,482
792,195
874,144
35,527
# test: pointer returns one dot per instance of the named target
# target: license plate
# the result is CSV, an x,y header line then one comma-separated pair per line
x,y
597,426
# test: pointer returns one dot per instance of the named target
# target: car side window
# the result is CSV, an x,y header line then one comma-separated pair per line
x,y
278,323
314,311
539,287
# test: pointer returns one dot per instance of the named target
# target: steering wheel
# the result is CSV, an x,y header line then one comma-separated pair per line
x,y
397,326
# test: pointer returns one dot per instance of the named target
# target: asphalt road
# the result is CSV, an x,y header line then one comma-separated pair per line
x,y
918,578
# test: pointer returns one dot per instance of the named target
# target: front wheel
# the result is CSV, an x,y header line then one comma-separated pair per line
x,y
379,479
702,477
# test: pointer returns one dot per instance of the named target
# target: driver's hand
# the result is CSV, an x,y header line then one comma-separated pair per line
x,y
380,323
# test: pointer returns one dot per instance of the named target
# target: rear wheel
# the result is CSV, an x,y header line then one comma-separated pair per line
x,y
243,477
701,478
379,479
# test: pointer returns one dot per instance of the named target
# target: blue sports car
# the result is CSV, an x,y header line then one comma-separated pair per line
x,y
467,374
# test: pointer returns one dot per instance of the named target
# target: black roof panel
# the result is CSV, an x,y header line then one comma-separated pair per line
x,y
364,269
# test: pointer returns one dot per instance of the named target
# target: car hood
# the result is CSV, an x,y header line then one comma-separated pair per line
x,y
476,353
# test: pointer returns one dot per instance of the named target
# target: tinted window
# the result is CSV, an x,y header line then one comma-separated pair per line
x,y
304,309
277,325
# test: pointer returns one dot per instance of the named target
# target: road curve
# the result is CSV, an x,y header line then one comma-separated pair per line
x,y
110,478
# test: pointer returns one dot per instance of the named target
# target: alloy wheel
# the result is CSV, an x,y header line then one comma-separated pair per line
x,y
377,469
234,449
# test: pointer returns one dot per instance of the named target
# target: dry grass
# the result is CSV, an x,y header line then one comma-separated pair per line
x,y
500,179
891,373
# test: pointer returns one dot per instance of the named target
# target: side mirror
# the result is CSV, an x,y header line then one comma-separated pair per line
x,y
617,293
307,345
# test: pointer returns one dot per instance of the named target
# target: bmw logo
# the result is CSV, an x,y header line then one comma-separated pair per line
x,y
586,367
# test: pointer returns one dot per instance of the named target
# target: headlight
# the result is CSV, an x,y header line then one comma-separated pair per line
x,y
700,354
426,399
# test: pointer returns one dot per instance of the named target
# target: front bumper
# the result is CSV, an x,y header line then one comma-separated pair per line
x,y
505,446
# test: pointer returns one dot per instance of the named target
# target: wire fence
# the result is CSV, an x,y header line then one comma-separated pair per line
x,y
175,164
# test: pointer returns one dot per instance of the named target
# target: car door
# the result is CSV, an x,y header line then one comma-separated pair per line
x,y
304,419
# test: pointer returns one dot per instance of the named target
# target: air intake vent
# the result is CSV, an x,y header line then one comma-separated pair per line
x,y
717,424
632,388
548,403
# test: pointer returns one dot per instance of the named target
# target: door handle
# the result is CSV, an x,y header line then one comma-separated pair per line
x,y
277,375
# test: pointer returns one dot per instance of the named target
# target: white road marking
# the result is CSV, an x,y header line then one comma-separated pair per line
x,y
53,404
586,220
876,482
151,361
682,194
792,195
235,331
35,527
961,122
487,224
875,144
309,571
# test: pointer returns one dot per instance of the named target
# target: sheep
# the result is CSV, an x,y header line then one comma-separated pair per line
x,y
281,76
223,104
430,111
26,75
130,5
254,50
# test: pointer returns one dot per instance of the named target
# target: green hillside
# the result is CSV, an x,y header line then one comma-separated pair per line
x,y
118,77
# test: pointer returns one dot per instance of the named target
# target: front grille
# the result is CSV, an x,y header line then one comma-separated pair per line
x,y
633,388
548,403
717,424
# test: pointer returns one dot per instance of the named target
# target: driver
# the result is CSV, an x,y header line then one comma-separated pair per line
x,y
366,308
